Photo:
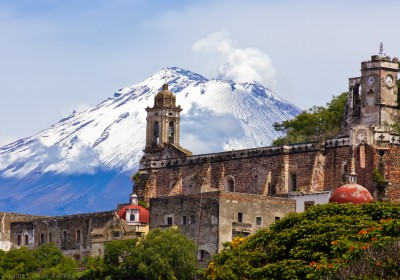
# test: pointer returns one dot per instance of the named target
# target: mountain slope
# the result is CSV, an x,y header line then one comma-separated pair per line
x,y
83,162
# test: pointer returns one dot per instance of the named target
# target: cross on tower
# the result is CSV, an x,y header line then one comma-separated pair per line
x,y
381,53
165,76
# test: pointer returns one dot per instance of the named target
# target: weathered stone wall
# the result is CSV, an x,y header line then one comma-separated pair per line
x,y
5,225
216,215
391,160
336,158
258,171
204,208
72,234
251,206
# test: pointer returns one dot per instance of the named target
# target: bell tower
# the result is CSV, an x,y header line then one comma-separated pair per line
x,y
379,97
373,98
163,126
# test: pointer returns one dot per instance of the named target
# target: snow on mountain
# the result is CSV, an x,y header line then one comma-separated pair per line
x,y
83,162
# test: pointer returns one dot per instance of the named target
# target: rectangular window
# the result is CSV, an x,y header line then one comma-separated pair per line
x,y
78,235
116,234
258,221
26,239
184,220
240,217
41,238
49,237
308,204
192,219
293,181
169,221
277,218
200,255
19,240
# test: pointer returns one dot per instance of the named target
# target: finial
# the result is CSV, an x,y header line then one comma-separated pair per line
x,y
352,178
381,53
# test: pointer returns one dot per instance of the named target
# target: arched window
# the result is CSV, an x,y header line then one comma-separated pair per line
x,y
132,217
65,236
171,132
26,239
229,183
41,238
156,132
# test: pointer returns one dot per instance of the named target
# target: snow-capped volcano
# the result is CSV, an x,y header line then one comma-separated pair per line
x,y
83,163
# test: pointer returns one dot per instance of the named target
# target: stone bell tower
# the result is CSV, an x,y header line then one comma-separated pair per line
x,y
379,96
163,126
162,141
373,97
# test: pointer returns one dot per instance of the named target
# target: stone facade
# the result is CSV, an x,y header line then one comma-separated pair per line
x,y
215,197
76,235
245,181
212,218
5,227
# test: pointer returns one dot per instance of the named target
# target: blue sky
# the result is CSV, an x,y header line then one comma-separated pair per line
x,y
57,56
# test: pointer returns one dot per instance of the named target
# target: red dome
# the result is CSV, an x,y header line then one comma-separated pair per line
x,y
143,213
351,193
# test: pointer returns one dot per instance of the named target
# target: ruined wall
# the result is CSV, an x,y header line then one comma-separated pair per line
x,y
5,225
337,153
258,171
72,234
391,161
253,209
196,216
365,163
217,222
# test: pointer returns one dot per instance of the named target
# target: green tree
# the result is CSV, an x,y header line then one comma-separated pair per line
x,y
22,261
53,263
162,254
165,254
315,124
45,262
95,269
325,242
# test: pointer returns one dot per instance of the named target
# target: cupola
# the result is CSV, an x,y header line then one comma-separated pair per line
x,y
351,193
165,98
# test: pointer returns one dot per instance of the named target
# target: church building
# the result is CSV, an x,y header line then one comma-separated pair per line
x,y
214,197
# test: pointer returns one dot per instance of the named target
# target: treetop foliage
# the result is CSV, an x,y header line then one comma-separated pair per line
x,y
162,254
328,241
315,124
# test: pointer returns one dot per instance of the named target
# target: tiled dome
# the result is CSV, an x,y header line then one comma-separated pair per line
x,y
351,193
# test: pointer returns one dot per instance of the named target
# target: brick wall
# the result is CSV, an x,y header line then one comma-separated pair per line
x,y
257,171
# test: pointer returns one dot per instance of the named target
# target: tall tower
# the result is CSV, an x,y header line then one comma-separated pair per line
x,y
163,126
378,100
373,97
379,96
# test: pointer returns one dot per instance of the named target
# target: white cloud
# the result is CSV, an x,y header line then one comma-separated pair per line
x,y
237,64
202,126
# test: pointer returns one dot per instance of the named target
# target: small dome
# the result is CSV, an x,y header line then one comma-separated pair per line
x,y
351,193
143,213
165,98
165,92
